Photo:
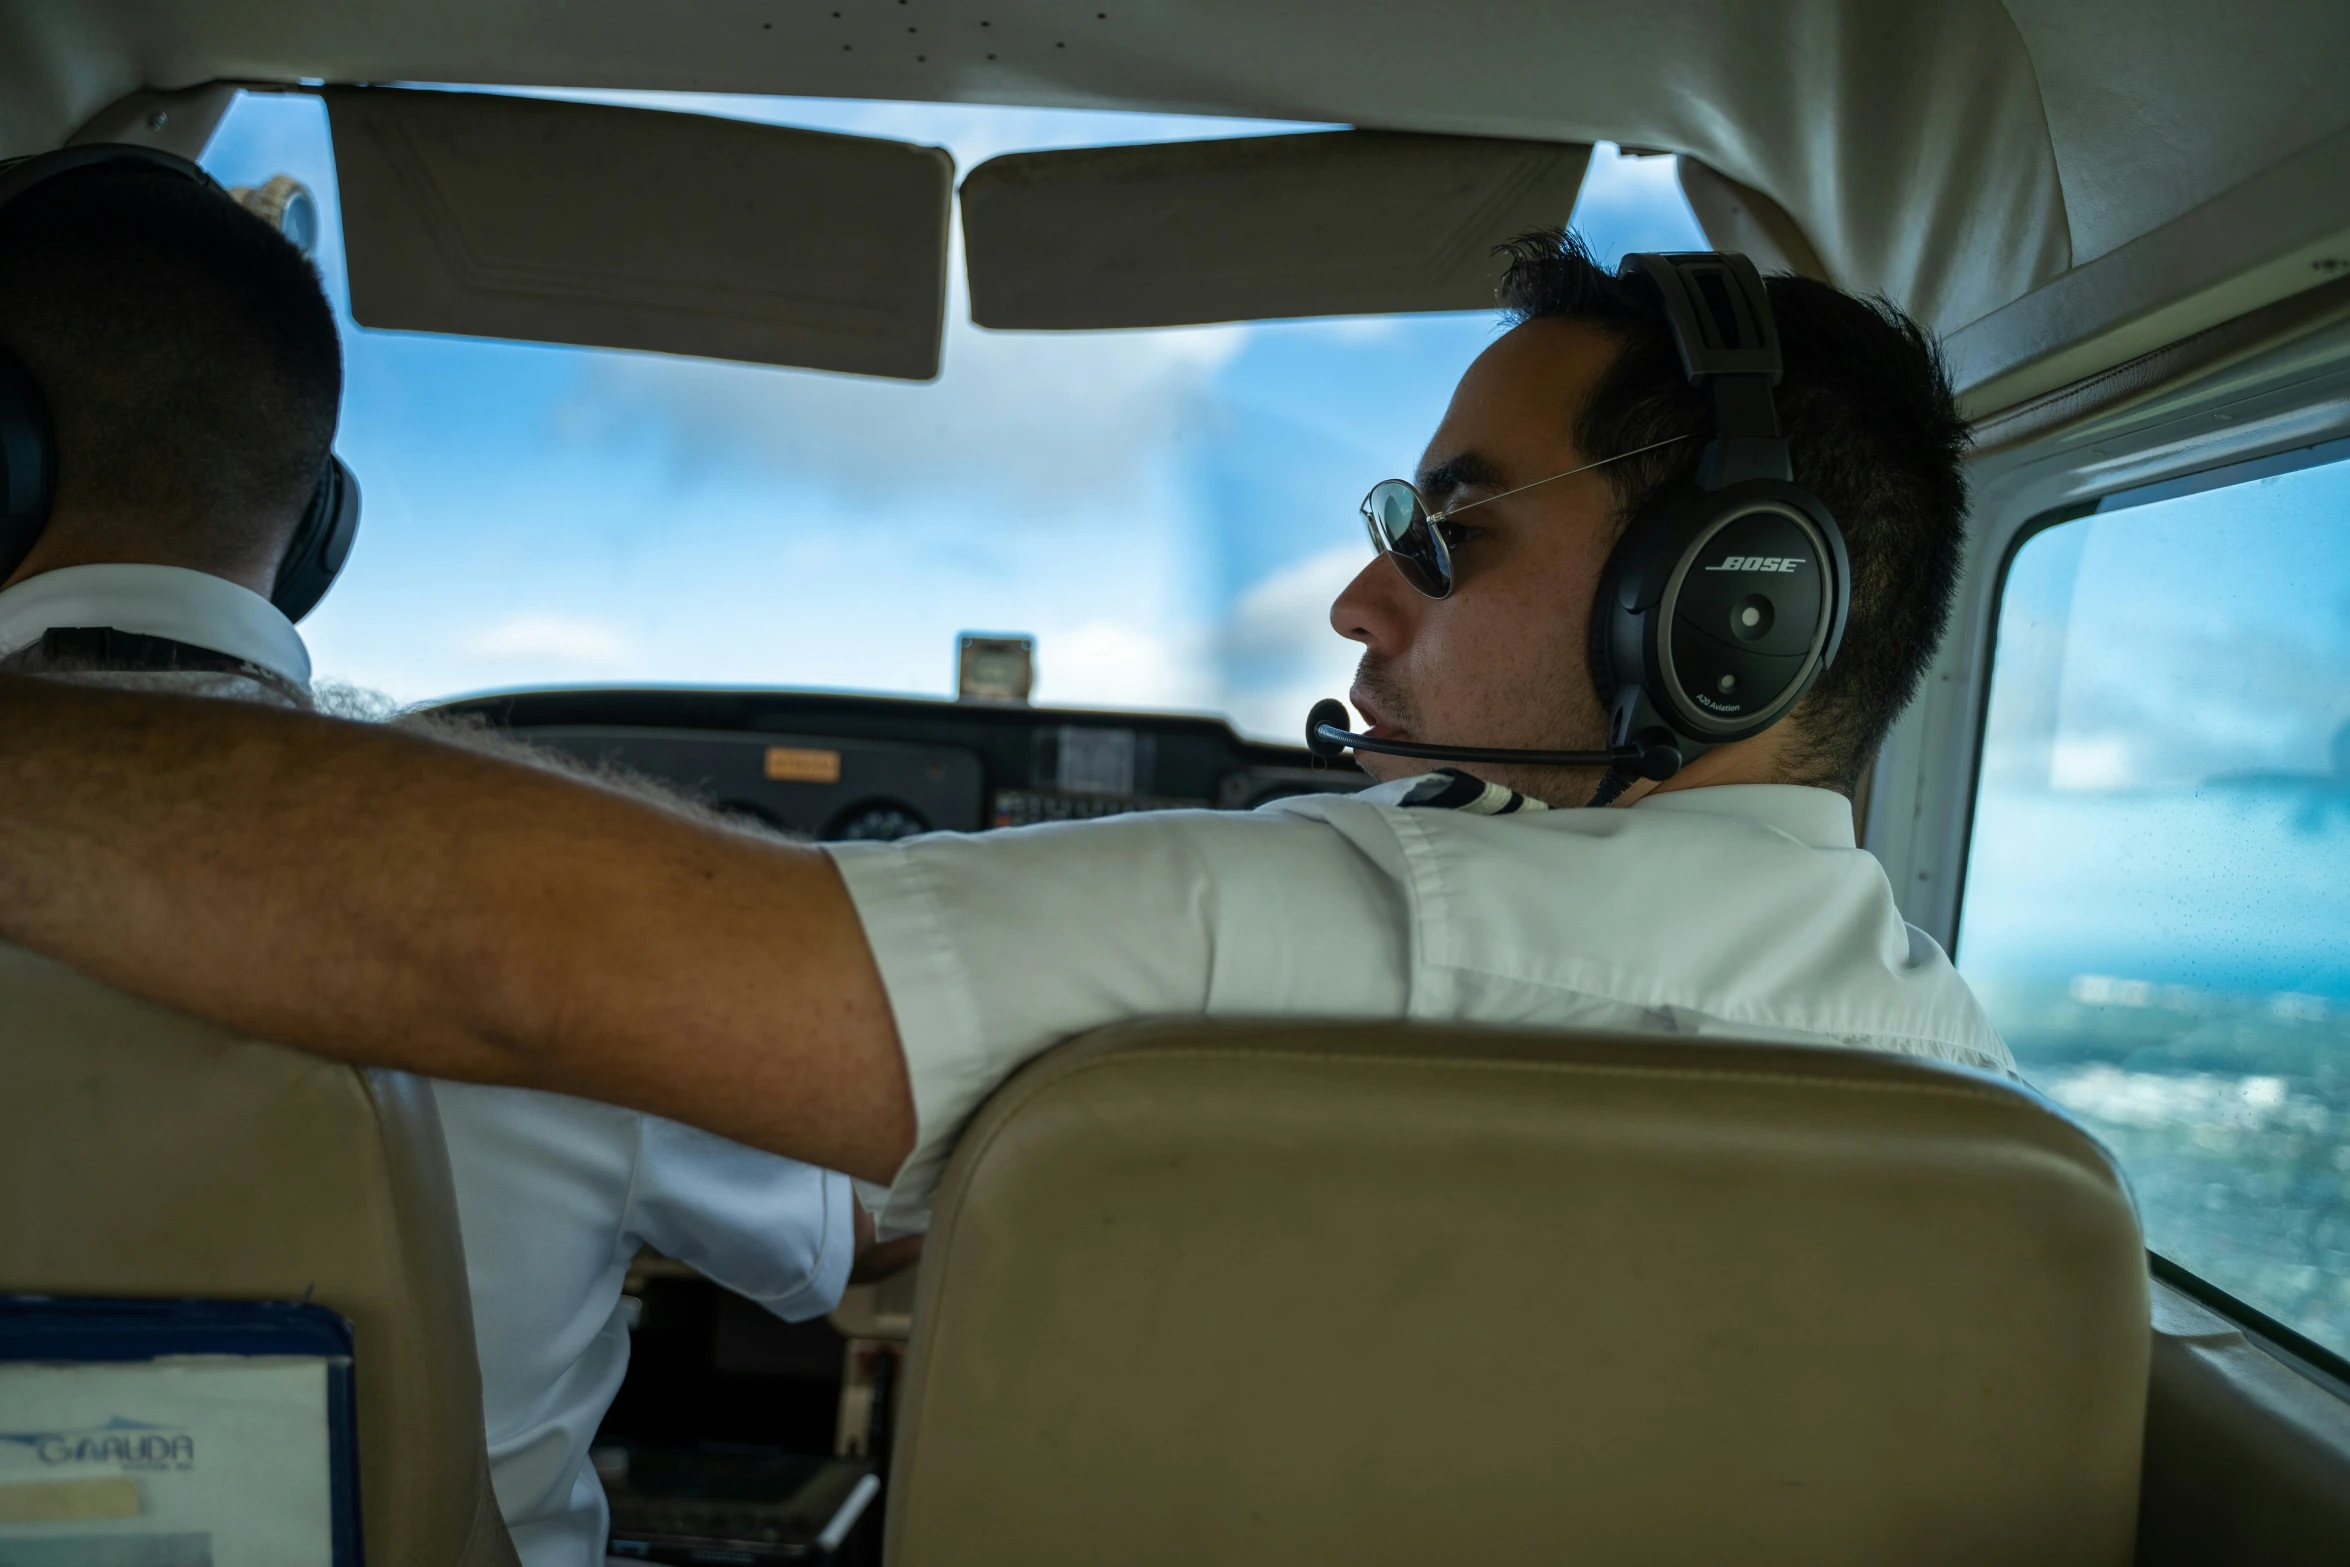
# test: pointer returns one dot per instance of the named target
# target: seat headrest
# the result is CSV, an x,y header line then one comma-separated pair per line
x,y
1396,1294
145,1154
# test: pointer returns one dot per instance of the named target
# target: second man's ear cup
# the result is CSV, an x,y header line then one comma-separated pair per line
x,y
322,542
28,463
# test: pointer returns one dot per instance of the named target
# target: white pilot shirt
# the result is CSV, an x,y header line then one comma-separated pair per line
x,y
194,607
554,1195
1744,911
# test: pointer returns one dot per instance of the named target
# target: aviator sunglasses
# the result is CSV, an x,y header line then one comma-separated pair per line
x,y
1405,531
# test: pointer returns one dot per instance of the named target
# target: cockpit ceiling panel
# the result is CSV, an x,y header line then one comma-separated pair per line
x,y
1254,228
1955,156
2157,107
630,228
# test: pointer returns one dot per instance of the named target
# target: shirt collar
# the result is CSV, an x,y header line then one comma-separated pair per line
x,y
1821,818
194,607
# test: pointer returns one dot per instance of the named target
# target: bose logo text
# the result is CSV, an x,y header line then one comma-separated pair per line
x,y
1759,563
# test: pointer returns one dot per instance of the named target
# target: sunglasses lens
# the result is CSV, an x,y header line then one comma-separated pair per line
x,y
1395,510
1401,531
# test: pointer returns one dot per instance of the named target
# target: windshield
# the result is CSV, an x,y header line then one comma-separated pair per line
x,y
1169,512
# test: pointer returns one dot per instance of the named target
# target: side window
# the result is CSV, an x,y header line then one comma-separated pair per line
x,y
2157,903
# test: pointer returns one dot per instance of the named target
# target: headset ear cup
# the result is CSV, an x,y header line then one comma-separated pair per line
x,y
1625,620
321,544
1679,555
1753,608
28,463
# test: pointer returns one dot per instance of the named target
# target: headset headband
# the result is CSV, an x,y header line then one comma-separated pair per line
x,y
19,175
1728,340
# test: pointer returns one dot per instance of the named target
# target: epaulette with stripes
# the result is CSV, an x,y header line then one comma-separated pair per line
x,y
1448,789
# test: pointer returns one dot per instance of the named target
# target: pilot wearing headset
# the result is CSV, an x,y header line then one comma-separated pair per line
x,y
1676,557
169,378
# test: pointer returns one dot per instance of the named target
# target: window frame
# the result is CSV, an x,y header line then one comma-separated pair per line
x,y
2286,1343
2290,1345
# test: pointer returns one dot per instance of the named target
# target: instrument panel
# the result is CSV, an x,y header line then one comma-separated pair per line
x,y
833,765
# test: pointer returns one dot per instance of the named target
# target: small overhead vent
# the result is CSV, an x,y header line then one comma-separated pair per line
x,y
1330,223
493,216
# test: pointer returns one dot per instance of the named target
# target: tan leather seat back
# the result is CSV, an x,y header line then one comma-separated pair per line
x,y
145,1154
1401,1295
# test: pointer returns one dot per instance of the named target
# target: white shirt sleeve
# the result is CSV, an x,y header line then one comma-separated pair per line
x,y
993,948
772,1229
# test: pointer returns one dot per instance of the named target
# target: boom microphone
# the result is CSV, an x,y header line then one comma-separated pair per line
x,y
1652,755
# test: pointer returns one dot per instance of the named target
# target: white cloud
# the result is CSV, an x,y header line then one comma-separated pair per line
x,y
1279,712
1357,329
2194,1099
2090,762
1285,617
1280,655
1046,423
563,640
1119,664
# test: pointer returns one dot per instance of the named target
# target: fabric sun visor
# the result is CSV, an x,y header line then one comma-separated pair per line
x,y
495,216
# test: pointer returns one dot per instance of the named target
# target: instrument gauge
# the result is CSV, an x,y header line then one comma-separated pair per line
x,y
876,821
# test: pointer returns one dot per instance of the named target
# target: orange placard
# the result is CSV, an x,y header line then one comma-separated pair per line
x,y
798,764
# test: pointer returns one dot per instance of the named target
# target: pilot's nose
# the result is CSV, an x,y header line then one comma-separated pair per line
x,y
1376,609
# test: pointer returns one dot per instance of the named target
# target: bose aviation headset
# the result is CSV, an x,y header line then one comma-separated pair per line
x,y
28,446
1727,594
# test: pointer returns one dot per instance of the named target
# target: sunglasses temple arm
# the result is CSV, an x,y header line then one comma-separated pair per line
x,y
1452,512
1448,515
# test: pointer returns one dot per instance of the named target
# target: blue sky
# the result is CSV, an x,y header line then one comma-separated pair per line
x,y
1169,512
2166,771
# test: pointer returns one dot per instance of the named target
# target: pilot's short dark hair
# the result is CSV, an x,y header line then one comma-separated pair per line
x,y
185,348
1872,429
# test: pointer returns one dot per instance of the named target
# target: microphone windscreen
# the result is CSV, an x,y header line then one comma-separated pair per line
x,y
1329,711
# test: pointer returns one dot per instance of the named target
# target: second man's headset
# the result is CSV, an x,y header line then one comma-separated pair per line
x,y
1726,595
28,445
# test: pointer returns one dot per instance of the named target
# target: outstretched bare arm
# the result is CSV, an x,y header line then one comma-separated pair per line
x,y
386,899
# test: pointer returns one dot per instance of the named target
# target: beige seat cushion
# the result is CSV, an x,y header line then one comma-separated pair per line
x,y
1384,1294
145,1154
